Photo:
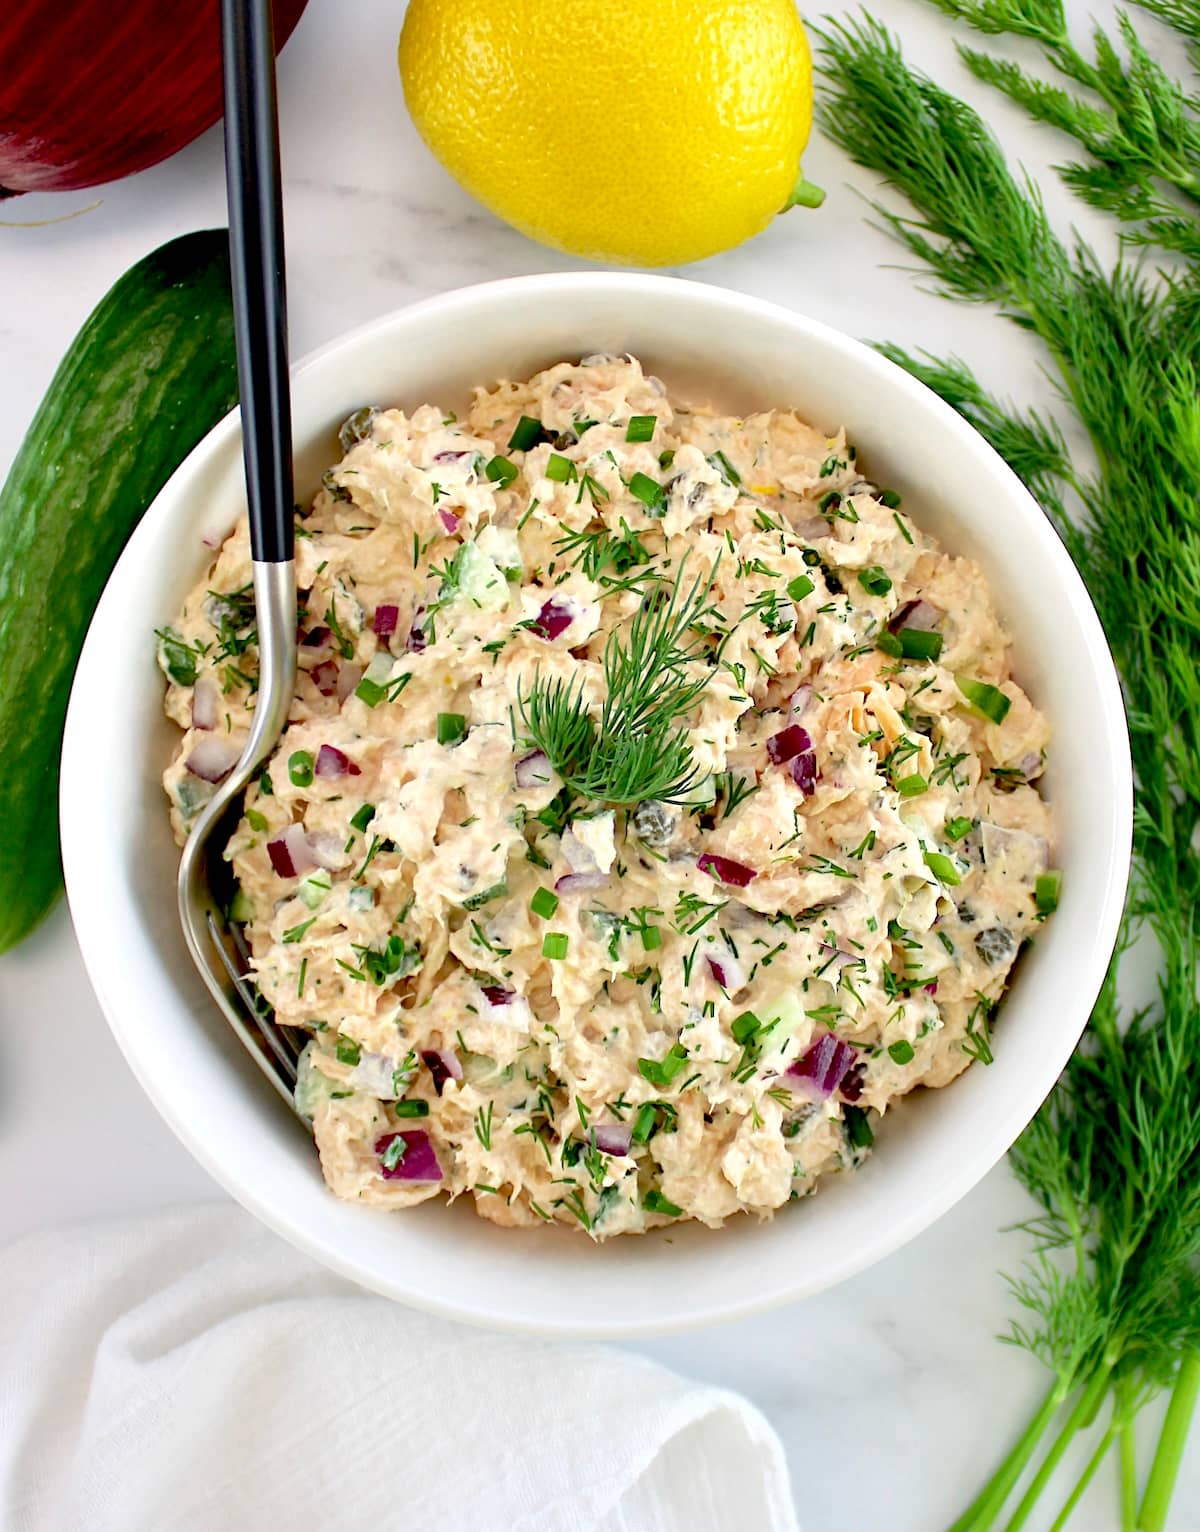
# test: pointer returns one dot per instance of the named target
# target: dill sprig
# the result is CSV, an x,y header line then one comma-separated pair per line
x,y
1112,1294
638,749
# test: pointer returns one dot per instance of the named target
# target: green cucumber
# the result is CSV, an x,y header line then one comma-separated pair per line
x,y
151,371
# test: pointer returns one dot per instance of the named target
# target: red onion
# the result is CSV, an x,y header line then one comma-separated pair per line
x,y
916,614
804,773
788,744
386,617
727,971
347,680
736,874
810,527
613,1137
329,851
214,758
375,1074
824,1065
94,91
799,701
449,520
533,770
417,1162
496,994
451,456
317,639
325,677
853,1081
204,704
290,852
581,882
443,1066
332,762
931,989
416,642
554,619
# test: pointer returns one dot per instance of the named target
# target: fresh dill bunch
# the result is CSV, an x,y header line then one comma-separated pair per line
x,y
638,749
1113,1159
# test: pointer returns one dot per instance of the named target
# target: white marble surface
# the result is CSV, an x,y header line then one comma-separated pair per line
x,y
891,1394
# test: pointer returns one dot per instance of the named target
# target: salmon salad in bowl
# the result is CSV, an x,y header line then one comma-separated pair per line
x,y
657,806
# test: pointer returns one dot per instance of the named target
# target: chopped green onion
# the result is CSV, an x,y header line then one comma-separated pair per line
x,y
651,938
985,698
647,490
901,1052
858,1129
800,587
1047,889
665,459
661,1072
645,1123
829,502
525,434
911,644
640,428
891,499
655,1202
265,786
580,426
726,469
875,580
554,944
957,827
255,820
544,903
501,471
363,816
943,868
348,1051
912,787
560,469
744,1027
300,768
394,1153
417,1108
451,727
241,907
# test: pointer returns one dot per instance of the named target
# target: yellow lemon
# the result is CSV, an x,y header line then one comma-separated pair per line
x,y
643,132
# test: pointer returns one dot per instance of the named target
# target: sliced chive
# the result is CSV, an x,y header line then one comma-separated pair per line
x,y
640,428
901,1052
1047,889
560,469
255,820
661,1072
300,768
651,938
655,1202
526,433
394,1153
416,1108
501,471
911,644
348,1051
744,1027
984,698
858,1129
544,903
829,502
665,459
912,787
891,499
647,490
363,816
451,727
645,1123
725,468
800,587
957,827
904,532
942,868
554,944
875,580
370,692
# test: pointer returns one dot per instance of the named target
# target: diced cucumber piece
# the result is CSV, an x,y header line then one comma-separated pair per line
x,y
312,890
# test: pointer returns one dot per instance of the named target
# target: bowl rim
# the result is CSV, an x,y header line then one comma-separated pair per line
x,y
964,1171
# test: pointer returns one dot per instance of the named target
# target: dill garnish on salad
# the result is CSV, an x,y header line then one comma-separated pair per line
x,y
657,807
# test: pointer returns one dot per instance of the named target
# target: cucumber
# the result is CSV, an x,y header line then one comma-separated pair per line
x,y
151,371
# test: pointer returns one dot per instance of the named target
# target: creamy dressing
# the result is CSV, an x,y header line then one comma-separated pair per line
x,y
653,1038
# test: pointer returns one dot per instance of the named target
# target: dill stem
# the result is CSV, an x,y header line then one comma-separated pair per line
x,y
1169,1453
1083,1409
987,1505
1085,1478
1129,1505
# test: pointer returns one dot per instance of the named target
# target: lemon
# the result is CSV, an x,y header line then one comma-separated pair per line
x,y
641,132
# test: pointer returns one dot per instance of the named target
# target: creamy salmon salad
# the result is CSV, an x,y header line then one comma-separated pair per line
x,y
657,807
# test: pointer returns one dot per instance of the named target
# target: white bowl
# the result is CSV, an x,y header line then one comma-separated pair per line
x,y
120,860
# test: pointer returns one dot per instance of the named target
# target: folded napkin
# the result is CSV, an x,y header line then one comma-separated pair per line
x,y
190,1371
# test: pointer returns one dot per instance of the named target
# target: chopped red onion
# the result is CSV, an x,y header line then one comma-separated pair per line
x,y
443,1065
838,958
725,870
824,1065
316,639
804,772
581,882
332,762
290,852
810,528
799,701
916,614
204,704
533,770
853,1081
451,456
329,851
727,971
325,677
496,994
554,619
375,1074
931,989
613,1137
788,744
385,619
417,1160
213,758
347,681
449,520
416,642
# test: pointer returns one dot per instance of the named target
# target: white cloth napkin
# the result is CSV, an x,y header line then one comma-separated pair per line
x,y
190,1372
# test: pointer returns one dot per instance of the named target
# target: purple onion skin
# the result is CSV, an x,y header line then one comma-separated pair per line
x,y
725,870
788,743
496,994
419,1162
438,1068
385,620
613,1137
825,1064
552,621
805,773
332,762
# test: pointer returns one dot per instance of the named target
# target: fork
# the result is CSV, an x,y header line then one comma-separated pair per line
x,y
256,260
